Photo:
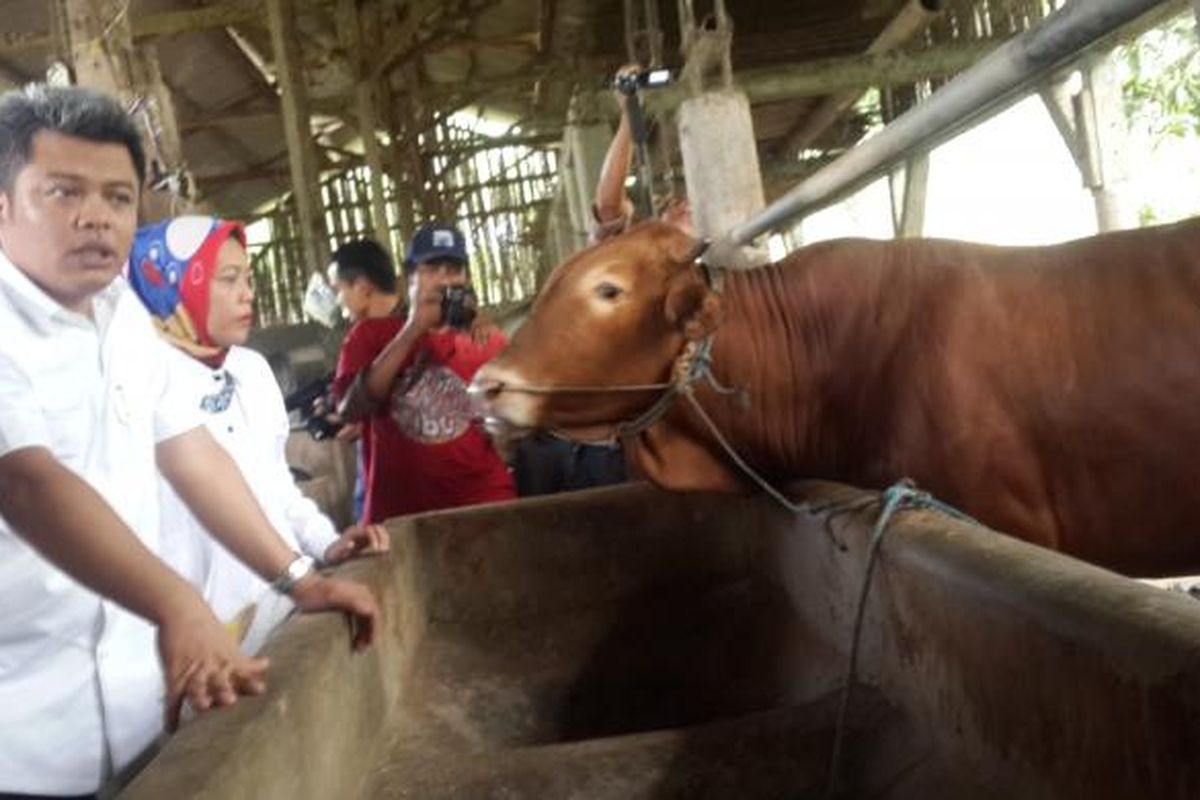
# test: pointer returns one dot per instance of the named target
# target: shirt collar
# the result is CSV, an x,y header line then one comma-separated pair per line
x,y
44,310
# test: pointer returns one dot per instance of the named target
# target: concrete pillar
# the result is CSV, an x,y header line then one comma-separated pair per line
x,y
1102,111
1090,122
578,214
565,243
297,126
908,190
557,245
587,138
720,164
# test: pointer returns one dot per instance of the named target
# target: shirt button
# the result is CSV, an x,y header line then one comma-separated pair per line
x,y
229,429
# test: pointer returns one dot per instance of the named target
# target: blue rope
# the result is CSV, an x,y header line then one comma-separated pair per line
x,y
900,496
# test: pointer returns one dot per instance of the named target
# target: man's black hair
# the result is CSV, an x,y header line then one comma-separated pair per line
x,y
366,258
69,110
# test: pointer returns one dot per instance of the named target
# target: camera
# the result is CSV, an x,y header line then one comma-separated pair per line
x,y
459,306
646,79
311,400
321,428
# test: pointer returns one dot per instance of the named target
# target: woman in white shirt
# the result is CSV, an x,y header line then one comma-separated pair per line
x,y
193,274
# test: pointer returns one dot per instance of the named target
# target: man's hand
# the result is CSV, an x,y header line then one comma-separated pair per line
x,y
357,540
349,432
202,665
425,304
625,72
483,328
318,593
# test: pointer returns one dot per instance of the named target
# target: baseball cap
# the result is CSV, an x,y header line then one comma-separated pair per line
x,y
435,242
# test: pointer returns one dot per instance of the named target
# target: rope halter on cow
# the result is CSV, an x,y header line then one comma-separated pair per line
x,y
693,364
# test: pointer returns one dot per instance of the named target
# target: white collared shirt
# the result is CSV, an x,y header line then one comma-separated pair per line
x,y
80,683
243,408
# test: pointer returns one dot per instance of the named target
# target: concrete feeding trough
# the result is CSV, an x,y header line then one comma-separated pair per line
x,y
627,643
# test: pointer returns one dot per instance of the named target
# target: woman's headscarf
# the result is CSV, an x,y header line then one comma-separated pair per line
x,y
171,268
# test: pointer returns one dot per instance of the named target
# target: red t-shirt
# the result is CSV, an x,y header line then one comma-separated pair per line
x,y
422,449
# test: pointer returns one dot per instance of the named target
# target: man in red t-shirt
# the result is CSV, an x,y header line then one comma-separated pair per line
x,y
406,379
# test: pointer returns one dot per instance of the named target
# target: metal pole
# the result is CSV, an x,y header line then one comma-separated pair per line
x,y
999,77
637,126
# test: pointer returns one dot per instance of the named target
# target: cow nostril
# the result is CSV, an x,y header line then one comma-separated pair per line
x,y
487,389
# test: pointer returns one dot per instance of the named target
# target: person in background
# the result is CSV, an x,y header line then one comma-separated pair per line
x,y
87,421
612,210
364,277
193,275
406,379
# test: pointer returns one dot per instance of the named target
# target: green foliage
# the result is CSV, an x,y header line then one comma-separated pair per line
x,y
1162,90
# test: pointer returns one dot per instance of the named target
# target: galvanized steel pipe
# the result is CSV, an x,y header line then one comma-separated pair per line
x,y
998,77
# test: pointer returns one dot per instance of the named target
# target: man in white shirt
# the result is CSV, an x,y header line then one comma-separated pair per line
x,y
86,416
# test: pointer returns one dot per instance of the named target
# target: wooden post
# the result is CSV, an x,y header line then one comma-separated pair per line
x,y
359,30
96,37
302,157
911,20
396,161
417,120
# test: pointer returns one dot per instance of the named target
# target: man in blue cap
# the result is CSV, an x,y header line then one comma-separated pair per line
x,y
406,379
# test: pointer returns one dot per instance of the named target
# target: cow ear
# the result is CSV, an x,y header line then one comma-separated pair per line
x,y
692,307
686,251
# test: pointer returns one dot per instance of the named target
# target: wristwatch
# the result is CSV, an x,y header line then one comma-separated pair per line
x,y
300,568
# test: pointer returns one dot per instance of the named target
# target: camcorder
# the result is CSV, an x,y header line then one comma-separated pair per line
x,y
645,79
459,306
313,403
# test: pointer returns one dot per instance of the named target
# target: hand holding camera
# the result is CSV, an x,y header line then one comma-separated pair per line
x,y
459,306
632,78
453,305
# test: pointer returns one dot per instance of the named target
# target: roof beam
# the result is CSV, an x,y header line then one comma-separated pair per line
x,y
223,15
913,18
297,127
401,40
162,23
205,121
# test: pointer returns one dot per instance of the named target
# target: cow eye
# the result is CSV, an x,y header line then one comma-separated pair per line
x,y
608,291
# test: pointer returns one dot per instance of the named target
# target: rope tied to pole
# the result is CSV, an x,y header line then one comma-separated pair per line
x,y
900,496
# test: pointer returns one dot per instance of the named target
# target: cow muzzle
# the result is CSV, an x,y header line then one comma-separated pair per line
x,y
495,406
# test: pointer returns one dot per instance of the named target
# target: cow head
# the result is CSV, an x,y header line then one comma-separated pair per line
x,y
617,314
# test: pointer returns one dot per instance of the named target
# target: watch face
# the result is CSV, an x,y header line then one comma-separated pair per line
x,y
299,568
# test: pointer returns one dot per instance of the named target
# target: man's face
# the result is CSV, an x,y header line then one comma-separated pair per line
x,y
353,296
69,218
436,274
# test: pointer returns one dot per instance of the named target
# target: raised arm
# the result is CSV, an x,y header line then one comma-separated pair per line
x,y
374,384
611,202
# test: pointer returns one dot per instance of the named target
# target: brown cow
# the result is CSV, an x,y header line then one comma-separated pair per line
x,y
1052,392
